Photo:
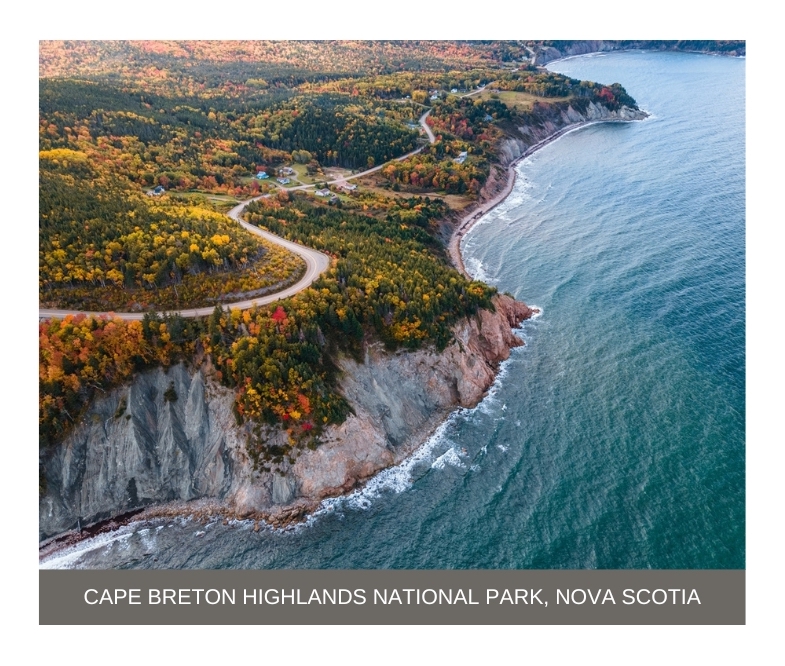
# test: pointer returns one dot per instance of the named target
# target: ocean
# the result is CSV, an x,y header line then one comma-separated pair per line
x,y
615,437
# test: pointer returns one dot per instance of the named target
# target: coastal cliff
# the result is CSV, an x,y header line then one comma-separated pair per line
x,y
170,437
554,121
546,52
547,123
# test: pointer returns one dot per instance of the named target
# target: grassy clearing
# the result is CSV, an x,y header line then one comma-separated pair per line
x,y
303,176
222,203
520,101
374,184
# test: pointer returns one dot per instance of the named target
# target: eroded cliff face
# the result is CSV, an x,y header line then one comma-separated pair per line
x,y
171,435
546,54
524,137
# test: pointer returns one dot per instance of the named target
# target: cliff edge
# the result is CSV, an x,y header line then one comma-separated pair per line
x,y
170,437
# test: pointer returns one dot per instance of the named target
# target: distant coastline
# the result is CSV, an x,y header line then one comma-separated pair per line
x,y
547,53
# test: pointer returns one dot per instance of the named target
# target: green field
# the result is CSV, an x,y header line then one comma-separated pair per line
x,y
521,101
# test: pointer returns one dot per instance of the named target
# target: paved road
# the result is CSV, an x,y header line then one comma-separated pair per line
x,y
431,139
474,92
315,262
426,127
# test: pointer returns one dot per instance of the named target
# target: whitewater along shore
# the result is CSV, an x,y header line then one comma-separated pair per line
x,y
134,449
502,179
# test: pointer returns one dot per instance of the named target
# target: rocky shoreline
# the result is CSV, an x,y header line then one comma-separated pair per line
x,y
163,458
547,54
138,455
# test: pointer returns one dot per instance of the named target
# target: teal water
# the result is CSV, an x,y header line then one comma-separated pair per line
x,y
615,438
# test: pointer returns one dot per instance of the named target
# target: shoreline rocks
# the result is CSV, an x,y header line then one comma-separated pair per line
x,y
137,448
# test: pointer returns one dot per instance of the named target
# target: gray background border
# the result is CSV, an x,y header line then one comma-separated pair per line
x,y
721,592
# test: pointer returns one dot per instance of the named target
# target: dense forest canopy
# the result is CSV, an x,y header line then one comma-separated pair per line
x,y
203,125
104,246
286,61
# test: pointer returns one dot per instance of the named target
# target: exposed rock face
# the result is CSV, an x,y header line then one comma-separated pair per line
x,y
177,439
156,449
400,399
513,147
545,54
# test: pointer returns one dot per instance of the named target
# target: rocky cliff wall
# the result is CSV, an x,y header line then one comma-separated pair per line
x,y
546,54
523,138
171,435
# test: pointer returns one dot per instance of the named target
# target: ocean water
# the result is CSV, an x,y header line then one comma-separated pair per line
x,y
615,437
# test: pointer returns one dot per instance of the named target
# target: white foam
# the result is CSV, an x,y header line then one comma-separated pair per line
x,y
651,116
517,196
395,479
449,457
477,270
70,555
391,480
594,54
535,315
401,477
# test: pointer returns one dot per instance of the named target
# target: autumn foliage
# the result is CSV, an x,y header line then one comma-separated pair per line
x,y
200,120
81,355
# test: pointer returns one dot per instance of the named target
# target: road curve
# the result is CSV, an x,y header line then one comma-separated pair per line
x,y
431,139
426,127
315,264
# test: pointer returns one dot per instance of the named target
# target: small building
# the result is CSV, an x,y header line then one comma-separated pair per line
x,y
283,181
454,90
322,193
488,118
348,187
461,157
262,175
435,96
157,192
286,171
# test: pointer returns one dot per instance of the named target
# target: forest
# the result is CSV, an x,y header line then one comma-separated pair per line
x,y
389,281
199,121
104,246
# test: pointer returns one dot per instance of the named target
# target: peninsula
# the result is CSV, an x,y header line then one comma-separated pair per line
x,y
264,360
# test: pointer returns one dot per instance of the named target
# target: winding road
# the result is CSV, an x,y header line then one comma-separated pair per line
x,y
315,262
431,139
